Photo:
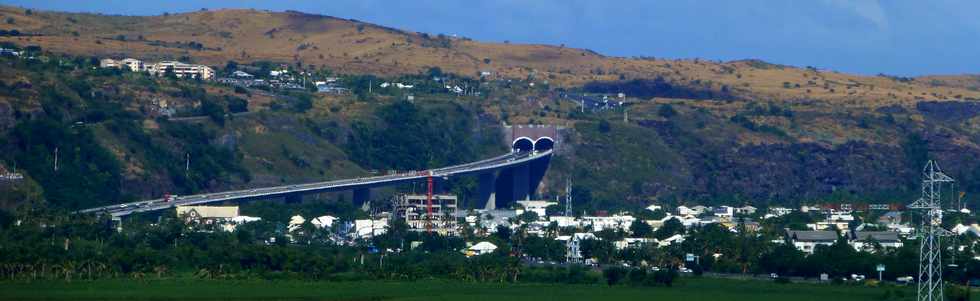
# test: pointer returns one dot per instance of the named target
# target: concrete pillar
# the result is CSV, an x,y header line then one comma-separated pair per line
x,y
504,184
362,196
521,182
537,169
486,196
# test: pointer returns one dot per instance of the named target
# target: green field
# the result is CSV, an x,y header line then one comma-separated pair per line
x,y
686,290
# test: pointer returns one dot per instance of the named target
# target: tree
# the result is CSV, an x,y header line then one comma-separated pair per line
x,y
231,66
639,228
669,228
604,126
666,111
528,217
614,275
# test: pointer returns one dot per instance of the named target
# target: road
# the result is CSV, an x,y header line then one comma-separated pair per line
x,y
503,161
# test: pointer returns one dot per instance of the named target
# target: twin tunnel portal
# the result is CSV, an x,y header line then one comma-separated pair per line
x,y
516,182
503,179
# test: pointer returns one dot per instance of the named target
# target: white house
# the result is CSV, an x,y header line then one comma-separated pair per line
x,y
630,242
181,70
684,210
365,228
616,222
746,210
654,207
675,239
484,247
207,214
325,221
241,74
864,240
960,229
565,221
538,207
108,63
723,211
133,64
807,241
295,223
573,251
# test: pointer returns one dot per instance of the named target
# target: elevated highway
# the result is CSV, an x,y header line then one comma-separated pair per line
x,y
513,174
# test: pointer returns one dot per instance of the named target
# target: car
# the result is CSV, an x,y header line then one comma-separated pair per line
x,y
905,280
773,275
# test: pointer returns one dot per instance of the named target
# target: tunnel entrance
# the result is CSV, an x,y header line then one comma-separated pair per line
x,y
544,144
523,144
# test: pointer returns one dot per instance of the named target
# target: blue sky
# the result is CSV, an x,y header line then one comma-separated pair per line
x,y
899,37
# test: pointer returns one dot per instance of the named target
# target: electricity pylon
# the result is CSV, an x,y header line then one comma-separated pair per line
x,y
930,280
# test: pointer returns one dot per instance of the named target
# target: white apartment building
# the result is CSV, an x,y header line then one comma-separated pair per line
x,y
181,70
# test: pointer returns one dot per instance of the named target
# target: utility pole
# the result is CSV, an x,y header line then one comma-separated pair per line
x,y
568,197
187,165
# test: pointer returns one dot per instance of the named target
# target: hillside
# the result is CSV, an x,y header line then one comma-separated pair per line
x,y
689,131
350,46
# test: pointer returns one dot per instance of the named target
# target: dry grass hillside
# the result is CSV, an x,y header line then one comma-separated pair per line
x,y
351,46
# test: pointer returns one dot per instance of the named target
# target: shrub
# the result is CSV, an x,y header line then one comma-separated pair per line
x,y
614,275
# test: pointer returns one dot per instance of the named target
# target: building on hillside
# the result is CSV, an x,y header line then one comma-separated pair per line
x,y
778,211
573,245
866,240
615,222
108,63
633,243
133,65
890,218
367,228
295,223
673,239
181,70
961,229
242,74
9,52
9,175
414,210
207,215
325,221
538,207
481,248
723,211
565,221
746,210
807,241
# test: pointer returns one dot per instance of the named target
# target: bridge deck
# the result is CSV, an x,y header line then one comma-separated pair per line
x,y
494,163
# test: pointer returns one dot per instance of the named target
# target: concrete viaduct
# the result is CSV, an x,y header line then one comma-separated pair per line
x,y
503,179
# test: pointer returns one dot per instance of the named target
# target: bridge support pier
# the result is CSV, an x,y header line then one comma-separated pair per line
x,y
362,196
486,197
521,182
537,169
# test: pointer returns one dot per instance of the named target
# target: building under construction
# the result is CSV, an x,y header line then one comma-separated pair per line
x,y
421,214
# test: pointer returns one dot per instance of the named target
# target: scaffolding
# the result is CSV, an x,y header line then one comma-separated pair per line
x,y
429,213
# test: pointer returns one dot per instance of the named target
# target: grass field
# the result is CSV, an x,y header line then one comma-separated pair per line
x,y
687,290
